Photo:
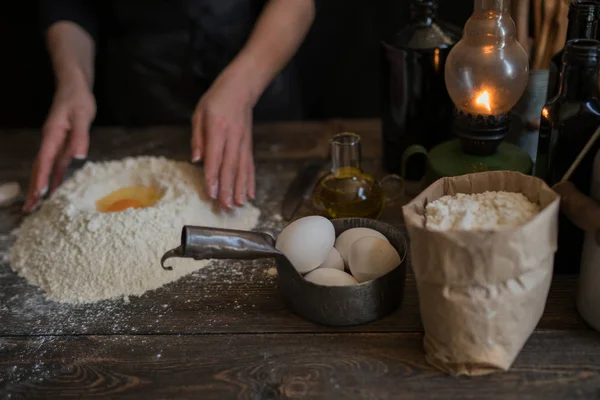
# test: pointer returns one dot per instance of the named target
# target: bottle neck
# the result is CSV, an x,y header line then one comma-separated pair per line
x,y
580,27
345,152
579,82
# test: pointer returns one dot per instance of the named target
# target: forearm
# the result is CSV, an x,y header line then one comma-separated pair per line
x,y
276,37
72,51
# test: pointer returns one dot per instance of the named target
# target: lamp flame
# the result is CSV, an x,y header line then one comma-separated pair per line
x,y
484,100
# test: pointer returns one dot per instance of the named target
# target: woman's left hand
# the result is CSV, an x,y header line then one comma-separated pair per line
x,y
222,136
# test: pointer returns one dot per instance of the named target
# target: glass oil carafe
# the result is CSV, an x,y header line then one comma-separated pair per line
x,y
346,191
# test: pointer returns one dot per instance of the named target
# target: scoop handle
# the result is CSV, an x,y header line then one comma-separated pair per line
x,y
204,243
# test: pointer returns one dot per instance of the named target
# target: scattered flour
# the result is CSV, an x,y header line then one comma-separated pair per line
x,y
479,211
79,255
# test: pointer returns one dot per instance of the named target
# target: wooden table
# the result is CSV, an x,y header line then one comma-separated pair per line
x,y
224,332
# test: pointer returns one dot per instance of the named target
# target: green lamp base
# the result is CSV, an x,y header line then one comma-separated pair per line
x,y
447,159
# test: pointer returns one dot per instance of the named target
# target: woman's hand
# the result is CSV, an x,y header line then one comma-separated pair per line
x,y
222,136
222,122
65,136
582,211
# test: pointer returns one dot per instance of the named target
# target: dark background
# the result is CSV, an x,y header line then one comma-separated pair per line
x,y
339,61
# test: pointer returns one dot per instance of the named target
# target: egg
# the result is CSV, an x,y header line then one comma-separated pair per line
x,y
307,242
128,197
333,260
347,238
371,257
330,277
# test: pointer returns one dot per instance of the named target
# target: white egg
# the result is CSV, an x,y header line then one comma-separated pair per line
x,y
333,260
372,257
330,277
347,238
306,242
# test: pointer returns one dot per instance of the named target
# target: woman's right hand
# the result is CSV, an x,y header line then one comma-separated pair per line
x,y
65,136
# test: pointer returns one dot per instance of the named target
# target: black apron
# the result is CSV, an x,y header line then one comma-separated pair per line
x,y
160,56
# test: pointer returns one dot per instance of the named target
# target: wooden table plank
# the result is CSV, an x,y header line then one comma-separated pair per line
x,y
225,332
552,365
230,296
213,301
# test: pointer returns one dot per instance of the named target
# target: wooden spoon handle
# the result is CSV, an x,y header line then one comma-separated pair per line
x,y
549,51
522,22
541,46
550,9
537,20
562,18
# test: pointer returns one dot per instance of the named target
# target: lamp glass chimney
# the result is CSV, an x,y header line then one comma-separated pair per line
x,y
487,70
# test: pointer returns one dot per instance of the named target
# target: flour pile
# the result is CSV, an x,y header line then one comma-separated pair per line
x,y
479,211
79,255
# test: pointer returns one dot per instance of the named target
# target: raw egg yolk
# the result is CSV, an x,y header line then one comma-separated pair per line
x,y
128,197
124,204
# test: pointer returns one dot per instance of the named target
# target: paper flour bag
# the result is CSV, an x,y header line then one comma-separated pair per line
x,y
482,293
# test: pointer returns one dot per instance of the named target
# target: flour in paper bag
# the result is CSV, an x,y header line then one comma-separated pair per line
x,y
482,291
479,211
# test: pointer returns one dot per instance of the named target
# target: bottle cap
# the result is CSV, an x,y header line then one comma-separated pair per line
x,y
584,10
581,51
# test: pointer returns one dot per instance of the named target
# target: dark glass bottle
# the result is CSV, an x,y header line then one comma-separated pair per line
x,y
583,24
415,106
568,121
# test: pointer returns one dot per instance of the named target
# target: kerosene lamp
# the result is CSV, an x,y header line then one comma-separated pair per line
x,y
486,73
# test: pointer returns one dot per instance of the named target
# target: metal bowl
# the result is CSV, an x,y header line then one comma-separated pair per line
x,y
326,305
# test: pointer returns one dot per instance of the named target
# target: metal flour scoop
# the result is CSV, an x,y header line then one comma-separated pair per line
x,y
326,305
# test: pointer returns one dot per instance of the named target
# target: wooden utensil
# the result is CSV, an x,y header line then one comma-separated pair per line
x,y
520,14
550,9
562,20
537,21
583,211
548,51
300,187
522,21
581,155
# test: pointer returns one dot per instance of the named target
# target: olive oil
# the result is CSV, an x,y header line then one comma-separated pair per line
x,y
347,191
350,193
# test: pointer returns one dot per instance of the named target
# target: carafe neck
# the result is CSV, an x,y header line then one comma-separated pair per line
x,y
345,152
